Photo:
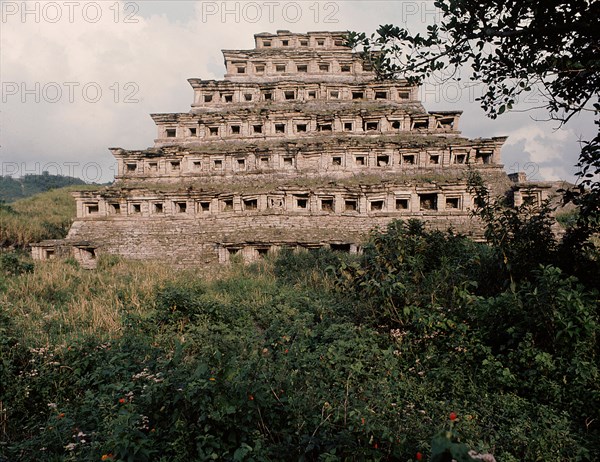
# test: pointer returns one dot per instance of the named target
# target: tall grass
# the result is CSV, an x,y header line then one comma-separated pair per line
x,y
44,216
59,301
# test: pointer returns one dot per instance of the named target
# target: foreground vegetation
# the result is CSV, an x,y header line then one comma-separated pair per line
x,y
311,355
45,216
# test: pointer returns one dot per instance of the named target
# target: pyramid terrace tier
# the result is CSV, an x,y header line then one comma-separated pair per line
x,y
312,56
274,123
219,94
395,200
343,156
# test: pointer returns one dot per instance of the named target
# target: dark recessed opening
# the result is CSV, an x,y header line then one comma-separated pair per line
x,y
279,128
324,127
247,96
208,98
303,43
137,208
131,167
264,161
420,124
260,69
197,165
280,68
218,164
350,205
250,204
289,94
227,205
327,205
396,124
312,94
452,202
428,201
262,252
288,161
175,165
285,43
268,96
460,158
348,126
300,128
235,129
205,206
171,132
257,128
158,207
401,204
302,68
381,95
241,70
434,159
345,248
266,44
302,203
377,206
192,131
336,160
213,131
153,166
408,159
228,98
241,163
383,161
404,95
358,95
360,160
334,94
345,68
92,208
486,157
115,208
372,126
181,207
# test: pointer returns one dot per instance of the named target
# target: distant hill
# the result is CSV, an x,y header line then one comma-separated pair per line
x,y
12,189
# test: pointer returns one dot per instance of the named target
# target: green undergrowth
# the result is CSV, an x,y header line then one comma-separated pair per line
x,y
44,216
304,356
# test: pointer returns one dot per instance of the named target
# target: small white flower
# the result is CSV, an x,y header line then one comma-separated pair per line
x,y
52,405
71,446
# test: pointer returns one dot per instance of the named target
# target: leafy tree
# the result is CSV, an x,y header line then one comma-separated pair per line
x,y
511,47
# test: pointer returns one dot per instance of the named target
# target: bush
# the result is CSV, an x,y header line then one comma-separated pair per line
x,y
15,264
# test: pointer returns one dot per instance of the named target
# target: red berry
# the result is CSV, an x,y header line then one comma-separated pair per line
x,y
453,416
419,456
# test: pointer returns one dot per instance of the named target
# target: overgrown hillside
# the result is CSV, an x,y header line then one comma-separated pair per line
x,y
12,189
44,216
421,348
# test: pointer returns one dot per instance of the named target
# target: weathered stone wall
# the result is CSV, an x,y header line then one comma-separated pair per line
x,y
197,242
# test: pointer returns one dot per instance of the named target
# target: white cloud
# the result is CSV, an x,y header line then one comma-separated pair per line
x,y
148,61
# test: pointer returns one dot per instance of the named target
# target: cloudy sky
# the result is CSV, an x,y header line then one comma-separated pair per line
x,y
79,77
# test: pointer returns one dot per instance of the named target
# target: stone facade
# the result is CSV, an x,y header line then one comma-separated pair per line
x,y
299,146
